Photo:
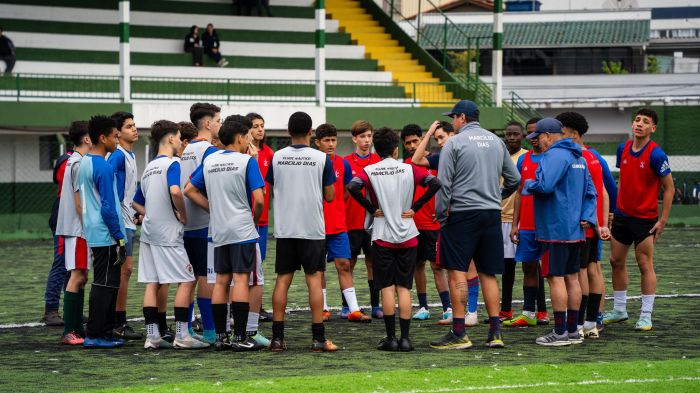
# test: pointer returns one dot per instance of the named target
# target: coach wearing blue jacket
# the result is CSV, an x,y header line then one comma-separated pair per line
x,y
565,202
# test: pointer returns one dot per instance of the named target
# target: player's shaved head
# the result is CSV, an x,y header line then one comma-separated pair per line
x,y
201,110
231,128
162,128
299,124
77,131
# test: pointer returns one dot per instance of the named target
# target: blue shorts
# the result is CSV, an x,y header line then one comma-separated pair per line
x,y
529,249
262,240
337,246
130,233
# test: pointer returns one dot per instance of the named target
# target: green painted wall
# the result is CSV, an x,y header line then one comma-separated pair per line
x,y
20,115
342,118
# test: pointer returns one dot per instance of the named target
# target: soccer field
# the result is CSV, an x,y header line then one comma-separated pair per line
x,y
666,358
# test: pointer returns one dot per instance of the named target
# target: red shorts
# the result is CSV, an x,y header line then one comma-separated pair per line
x,y
76,253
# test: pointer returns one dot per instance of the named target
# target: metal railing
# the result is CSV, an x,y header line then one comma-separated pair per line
x,y
50,86
520,110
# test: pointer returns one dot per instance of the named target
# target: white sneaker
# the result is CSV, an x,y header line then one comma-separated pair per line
x,y
421,315
189,342
471,319
152,344
591,333
446,317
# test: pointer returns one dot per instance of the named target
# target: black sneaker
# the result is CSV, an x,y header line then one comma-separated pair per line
x,y
278,345
388,344
197,325
167,338
265,316
51,318
126,332
405,345
495,341
222,344
451,341
246,345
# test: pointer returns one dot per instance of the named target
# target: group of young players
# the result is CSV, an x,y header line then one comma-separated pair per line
x,y
203,200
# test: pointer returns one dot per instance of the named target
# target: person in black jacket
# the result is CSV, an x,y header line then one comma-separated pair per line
x,y
7,52
193,44
211,46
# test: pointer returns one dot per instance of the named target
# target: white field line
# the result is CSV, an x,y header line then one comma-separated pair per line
x,y
306,309
553,384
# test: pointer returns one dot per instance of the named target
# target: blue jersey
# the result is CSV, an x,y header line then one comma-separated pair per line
x,y
102,221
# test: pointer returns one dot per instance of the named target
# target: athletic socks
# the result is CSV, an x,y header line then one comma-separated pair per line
x,y
390,325
494,326
119,318
240,319
445,300
253,322
507,281
325,300
559,322
405,325
541,298
620,300
205,309
278,329
582,309
220,312
423,300
373,294
72,316
228,317
572,321
162,323
458,327
342,298
182,318
530,295
473,292
150,314
318,332
647,305
191,316
351,299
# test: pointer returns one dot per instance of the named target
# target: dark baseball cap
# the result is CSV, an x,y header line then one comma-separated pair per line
x,y
548,124
463,106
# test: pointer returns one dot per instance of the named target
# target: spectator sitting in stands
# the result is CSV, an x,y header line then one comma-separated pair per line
x,y
193,44
7,52
211,46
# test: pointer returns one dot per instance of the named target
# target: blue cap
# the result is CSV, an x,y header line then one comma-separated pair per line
x,y
548,124
467,107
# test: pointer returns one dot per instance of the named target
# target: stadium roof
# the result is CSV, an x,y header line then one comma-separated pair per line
x,y
544,34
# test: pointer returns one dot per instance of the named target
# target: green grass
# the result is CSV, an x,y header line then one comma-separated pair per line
x,y
30,355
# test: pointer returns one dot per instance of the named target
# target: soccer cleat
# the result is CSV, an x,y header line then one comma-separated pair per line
x,y
152,344
166,339
614,316
208,337
358,316
451,341
278,345
502,315
189,342
264,316
326,346
51,318
326,315
116,340
72,338
100,343
262,341
552,339
446,317
197,325
521,320
344,312
576,337
422,314
599,322
126,332
246,345
643,324
405,345
495,341
471,319
591,333
542,318
377,313
222,344
389,344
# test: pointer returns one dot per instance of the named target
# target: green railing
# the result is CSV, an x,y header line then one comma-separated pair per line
x,y
520,110
50,86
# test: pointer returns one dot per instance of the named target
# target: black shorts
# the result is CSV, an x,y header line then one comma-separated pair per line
x,y
472,235
393,266
235,258
360,241
105,273
589,252
560,259
196,248
294,254
628,230
427,246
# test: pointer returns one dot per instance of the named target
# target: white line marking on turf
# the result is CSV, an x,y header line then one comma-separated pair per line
x,y
550,384
305,309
